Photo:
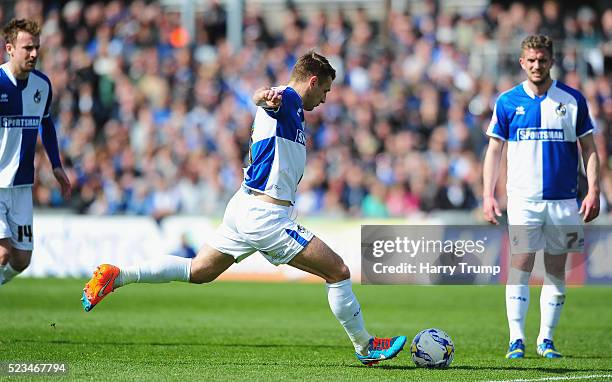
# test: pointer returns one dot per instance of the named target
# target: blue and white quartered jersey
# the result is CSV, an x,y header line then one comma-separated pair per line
x,y
278,148
24,106
541,134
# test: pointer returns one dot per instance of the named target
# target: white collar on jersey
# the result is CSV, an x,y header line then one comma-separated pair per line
x,y
8,72
531,94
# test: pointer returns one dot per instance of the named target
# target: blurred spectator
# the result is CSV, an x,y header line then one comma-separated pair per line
x,y
185,249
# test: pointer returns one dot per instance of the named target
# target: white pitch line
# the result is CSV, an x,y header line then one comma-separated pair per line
x,y
564,378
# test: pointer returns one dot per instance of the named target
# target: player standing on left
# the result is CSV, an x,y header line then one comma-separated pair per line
x,y
25,99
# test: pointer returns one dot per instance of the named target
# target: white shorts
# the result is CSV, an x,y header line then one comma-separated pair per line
x,y
250,225
554,226
16,217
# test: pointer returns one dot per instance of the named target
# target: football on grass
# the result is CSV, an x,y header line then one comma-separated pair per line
x,y
432,348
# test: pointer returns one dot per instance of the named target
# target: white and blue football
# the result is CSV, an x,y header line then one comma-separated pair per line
x,y
432,348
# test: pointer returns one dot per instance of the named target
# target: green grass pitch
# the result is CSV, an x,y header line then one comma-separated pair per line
x,y
271,331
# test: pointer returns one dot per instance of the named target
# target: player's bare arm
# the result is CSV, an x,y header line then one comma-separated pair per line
x,y
64,182
267,97
590,205
492,160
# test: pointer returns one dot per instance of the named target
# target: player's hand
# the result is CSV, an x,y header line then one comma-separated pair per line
x,y
268,97
590,207
490,209
63,181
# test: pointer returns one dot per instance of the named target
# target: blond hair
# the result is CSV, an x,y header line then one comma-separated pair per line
x,y
537,42
10,30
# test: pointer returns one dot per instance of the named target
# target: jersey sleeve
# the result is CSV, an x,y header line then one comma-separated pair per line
x,y
498,127
276,112
47,112
49,139
48,134
584,124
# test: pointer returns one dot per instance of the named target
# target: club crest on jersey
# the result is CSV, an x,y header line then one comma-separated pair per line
x,y
561,110
520,110
4,97
37,96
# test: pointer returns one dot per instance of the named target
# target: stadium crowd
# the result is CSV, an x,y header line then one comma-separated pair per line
x,y
151,122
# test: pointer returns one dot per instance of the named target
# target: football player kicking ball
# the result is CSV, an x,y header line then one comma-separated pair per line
x,y
257,218
541,120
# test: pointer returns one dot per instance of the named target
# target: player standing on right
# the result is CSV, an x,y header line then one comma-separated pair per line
x,y
541,120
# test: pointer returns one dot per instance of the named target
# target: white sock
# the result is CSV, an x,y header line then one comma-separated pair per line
x,y
7,273
345,307
552,299
517,302
162,269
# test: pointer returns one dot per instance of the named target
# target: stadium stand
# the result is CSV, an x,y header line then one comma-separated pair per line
x,y
153,122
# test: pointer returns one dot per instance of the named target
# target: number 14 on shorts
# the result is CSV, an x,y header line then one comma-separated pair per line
x,y
24,232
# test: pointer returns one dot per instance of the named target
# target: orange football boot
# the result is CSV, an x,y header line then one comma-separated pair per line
x,y
99,286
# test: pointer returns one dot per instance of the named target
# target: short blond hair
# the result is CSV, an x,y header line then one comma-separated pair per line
x,y
537,42
12,29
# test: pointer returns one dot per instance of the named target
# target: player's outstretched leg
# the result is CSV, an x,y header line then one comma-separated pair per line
x,y
317,258
99,286
205,267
